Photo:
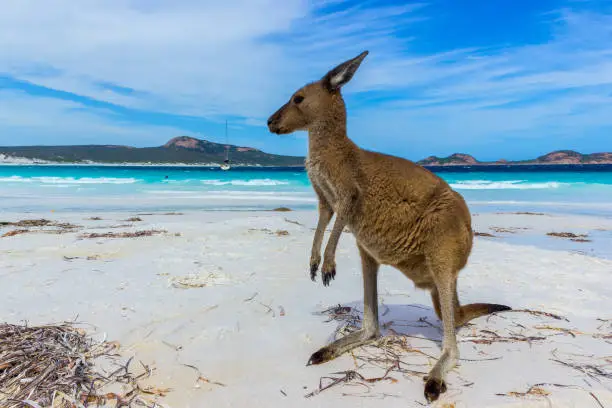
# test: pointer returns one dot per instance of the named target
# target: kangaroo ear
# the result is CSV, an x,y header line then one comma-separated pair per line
x,y
337,77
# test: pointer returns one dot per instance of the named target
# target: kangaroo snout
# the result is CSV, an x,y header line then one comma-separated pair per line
x,y
274,122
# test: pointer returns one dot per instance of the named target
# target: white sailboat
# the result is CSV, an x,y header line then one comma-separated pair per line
x,y
226,162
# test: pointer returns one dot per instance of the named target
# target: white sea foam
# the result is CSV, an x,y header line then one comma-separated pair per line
x,y
69,180
503,185
254,182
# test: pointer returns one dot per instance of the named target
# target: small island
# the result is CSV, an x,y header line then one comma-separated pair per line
x,y
556,157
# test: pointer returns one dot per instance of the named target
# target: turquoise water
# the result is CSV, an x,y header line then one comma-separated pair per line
x,y
571,189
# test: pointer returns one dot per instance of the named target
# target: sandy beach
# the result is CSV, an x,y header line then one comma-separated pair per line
x,y
226,297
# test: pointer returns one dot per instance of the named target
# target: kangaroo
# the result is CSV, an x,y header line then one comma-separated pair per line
x,y
400,213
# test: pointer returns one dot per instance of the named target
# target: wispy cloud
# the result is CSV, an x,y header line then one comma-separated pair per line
x,y
42,120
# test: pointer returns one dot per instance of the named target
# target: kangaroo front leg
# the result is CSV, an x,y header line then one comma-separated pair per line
x,y
328,272
325,215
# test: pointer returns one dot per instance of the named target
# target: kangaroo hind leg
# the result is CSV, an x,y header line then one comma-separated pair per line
x,y
370,327
445,279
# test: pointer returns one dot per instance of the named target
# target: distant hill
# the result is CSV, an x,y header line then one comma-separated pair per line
x,y
556,157
179,150
572,157
189,150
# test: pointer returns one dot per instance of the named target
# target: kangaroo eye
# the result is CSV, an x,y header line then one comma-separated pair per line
x,y
298,99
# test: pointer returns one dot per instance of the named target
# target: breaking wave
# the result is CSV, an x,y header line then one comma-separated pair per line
x,y
503,185
254,182
69,180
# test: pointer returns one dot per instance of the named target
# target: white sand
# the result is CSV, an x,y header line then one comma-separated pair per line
x,y
252,323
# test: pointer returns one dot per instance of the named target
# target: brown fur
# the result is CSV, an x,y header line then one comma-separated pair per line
x,y
400,214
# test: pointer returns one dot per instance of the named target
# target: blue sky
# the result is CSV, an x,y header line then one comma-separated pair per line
x,y
497,79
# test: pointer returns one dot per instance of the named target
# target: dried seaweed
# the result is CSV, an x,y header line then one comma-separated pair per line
x,y
39,223
134,234
134,219
28,231
278,233
24,227
507,230
566,235
55,366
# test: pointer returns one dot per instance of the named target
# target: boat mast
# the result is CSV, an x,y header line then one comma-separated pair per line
x,y
226,144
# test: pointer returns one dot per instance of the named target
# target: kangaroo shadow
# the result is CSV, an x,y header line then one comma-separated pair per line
x,y
410,320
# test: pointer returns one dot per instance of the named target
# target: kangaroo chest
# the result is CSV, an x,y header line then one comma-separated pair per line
x,y
321,182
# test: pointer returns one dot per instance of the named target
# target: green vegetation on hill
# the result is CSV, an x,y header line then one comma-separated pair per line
x,y
179,150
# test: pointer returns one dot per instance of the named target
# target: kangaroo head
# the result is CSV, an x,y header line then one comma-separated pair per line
x,y
312,103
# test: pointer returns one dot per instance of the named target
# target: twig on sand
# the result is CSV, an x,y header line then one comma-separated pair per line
x,y
503,339
350,376
201,378
537,313
293,222
590,370
270,310
536,390
55,366
252,297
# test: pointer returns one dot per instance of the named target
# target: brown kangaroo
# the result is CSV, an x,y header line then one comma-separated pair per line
x,y
400,214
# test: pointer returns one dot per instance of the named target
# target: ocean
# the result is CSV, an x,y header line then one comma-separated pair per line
x,y
35,188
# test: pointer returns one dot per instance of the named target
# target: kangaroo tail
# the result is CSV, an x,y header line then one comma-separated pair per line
x,y
474,310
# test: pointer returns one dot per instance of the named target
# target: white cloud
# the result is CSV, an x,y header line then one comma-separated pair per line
x,y
243,57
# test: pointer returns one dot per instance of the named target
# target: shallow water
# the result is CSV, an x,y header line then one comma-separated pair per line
x,y
568,189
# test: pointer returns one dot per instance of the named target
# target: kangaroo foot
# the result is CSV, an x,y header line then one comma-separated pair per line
x,y
433,388
341,346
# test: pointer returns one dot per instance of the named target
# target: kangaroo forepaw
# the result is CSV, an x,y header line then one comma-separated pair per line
x,y
433,388
328,272
314,266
